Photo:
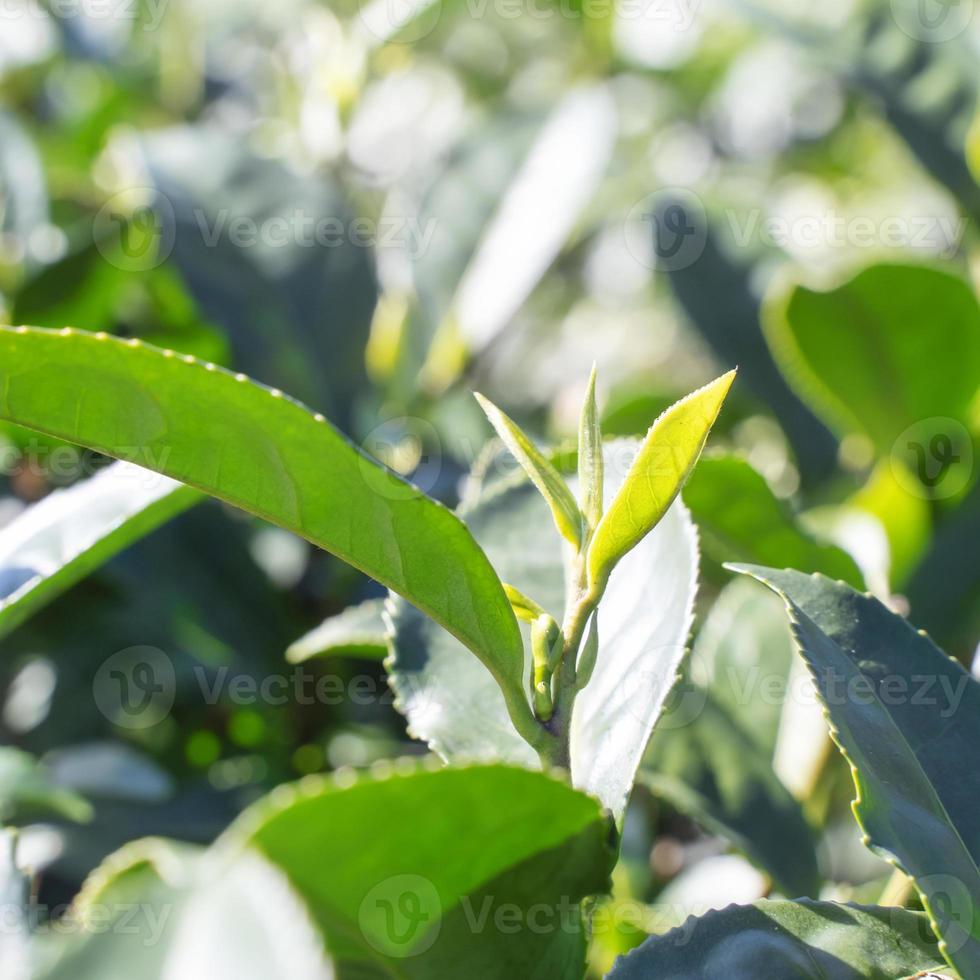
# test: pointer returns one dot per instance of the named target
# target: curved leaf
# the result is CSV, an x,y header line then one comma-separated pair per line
x,y
907,718
409,873
263,452
804,940
741,519
890,347
56,542
659,470
550,483
358,631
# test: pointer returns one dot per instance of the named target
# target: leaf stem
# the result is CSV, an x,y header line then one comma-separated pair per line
x,y
582,603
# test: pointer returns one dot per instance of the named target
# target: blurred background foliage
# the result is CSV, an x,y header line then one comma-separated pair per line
x,y
380,207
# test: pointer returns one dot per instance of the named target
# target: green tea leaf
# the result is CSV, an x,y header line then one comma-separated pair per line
x,y
525,608
56,542
263,452
158,909
358,631
889,348
643,625
550,483
805,940
408,873
741,519
658,472
590,475
906,717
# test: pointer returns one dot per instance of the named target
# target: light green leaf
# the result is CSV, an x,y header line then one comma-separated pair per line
x,y
263,452
643,625
159,910
889,348
359,631
590,475
550,483
26,791
907,718
399,872
525,608
741,519
658,472
53,544
713,755
804,940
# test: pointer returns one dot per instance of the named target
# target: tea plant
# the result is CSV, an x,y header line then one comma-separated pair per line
x,y
532,641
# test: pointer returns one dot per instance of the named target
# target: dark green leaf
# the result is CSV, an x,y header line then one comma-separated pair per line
x,y
907,718
804,940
